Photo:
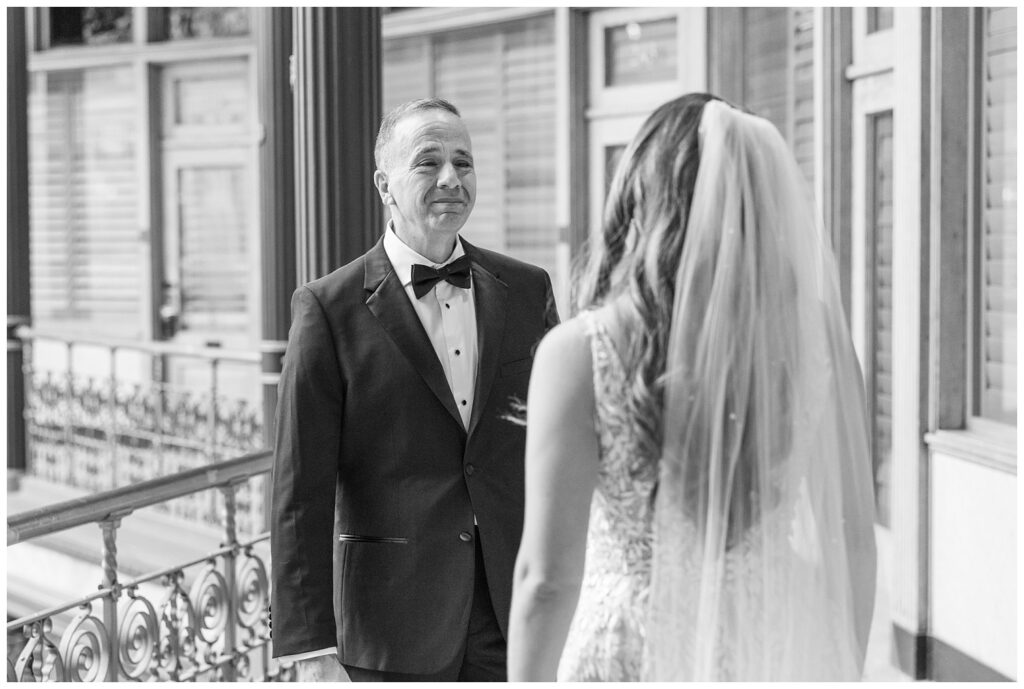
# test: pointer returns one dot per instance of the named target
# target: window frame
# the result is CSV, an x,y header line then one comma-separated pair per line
x,y
147,59
955,428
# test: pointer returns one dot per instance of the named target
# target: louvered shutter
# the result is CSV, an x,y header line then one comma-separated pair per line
x,y
880,325
406,70
529,72
778,74
802,98
766,62
87,262
998,260
468,72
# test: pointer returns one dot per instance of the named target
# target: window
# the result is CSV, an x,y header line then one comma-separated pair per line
x,y
68,26
182,23
879,19
87,252
640,52
767,66
995,248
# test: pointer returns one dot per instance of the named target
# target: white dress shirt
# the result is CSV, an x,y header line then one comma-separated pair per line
x,y
448,314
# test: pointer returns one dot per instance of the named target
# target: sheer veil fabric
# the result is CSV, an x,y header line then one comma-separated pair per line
x,y
765,463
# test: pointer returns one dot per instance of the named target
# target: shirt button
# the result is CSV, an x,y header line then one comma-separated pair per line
x,y
470,469
457,352
466,537
464,403
447,305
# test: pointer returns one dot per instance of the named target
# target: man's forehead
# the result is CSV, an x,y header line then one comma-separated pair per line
x,y
429,128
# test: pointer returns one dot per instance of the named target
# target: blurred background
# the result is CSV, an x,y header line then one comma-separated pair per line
x,y
175,173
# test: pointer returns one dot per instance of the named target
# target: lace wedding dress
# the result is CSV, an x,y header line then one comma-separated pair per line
x,y
608,638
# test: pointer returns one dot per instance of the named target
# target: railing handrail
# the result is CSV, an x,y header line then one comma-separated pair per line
x,y
120,501
27,333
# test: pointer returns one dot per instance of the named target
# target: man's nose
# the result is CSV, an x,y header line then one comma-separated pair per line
x,y
448,177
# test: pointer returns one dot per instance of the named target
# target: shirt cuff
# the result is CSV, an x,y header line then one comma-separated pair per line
x,y
296,657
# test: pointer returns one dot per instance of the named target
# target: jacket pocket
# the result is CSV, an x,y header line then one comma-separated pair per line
x,y
352,538
519,366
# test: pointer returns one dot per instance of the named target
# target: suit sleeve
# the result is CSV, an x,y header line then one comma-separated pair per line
x,y
550,308
309,412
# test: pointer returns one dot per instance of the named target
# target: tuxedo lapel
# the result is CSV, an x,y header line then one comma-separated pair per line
x,y
490,295
390,305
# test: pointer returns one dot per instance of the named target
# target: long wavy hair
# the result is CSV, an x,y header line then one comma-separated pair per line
x,y
639,249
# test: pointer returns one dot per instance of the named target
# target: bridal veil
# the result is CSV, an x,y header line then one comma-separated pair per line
x,y
765,463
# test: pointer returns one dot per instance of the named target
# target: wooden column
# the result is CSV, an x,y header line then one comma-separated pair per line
x,y
18,306
277,196
337,112
835,169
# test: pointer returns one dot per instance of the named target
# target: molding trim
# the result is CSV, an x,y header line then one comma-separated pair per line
x,y
427,20
974,447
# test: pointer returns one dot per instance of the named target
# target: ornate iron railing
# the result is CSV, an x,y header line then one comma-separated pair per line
x,y
210,623
96,425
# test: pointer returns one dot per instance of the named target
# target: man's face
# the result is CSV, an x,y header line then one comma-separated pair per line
x,y
430,183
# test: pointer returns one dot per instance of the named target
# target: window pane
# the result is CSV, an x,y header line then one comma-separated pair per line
x,y
879,19
87,259
214,255
180,23
640,52
880,317
89,25
997,274
612,156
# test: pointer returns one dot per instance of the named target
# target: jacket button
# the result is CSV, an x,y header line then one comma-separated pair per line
x,y
470,469
466,537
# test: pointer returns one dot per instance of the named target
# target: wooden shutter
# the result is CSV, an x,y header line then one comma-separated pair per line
x,y
880,226
529,74
801,134
778,74
766,62
407,70
997,343
86,260
468,72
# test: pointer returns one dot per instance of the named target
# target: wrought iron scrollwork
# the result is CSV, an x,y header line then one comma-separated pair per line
x,y
85,648
40,658
138,638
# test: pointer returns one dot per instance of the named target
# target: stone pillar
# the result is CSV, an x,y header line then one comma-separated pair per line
x,y
18,309
337,54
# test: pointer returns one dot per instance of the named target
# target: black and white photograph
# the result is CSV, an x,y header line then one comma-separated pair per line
x,y
512,344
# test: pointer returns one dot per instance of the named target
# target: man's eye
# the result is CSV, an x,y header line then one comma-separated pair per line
x,y
426,163
464,163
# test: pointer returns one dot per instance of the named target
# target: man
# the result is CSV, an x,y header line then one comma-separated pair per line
x,y
398,480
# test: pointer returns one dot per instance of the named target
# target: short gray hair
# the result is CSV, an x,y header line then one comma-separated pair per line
x,y
391,120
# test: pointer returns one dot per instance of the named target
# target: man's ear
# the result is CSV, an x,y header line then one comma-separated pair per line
x,y
380,180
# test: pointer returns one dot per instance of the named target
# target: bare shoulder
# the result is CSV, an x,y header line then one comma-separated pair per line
x,y
563,359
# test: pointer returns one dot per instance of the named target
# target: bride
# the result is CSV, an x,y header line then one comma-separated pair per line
x,y
699,502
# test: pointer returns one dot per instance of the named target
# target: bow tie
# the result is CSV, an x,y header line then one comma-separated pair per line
x,y
425,277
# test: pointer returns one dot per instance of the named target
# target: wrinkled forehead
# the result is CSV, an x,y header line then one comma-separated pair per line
x,y
429,129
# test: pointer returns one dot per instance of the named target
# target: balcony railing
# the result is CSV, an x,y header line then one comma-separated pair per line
x,y
204,620
102,413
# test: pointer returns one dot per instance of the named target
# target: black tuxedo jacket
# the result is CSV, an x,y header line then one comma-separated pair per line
x,y
376,481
